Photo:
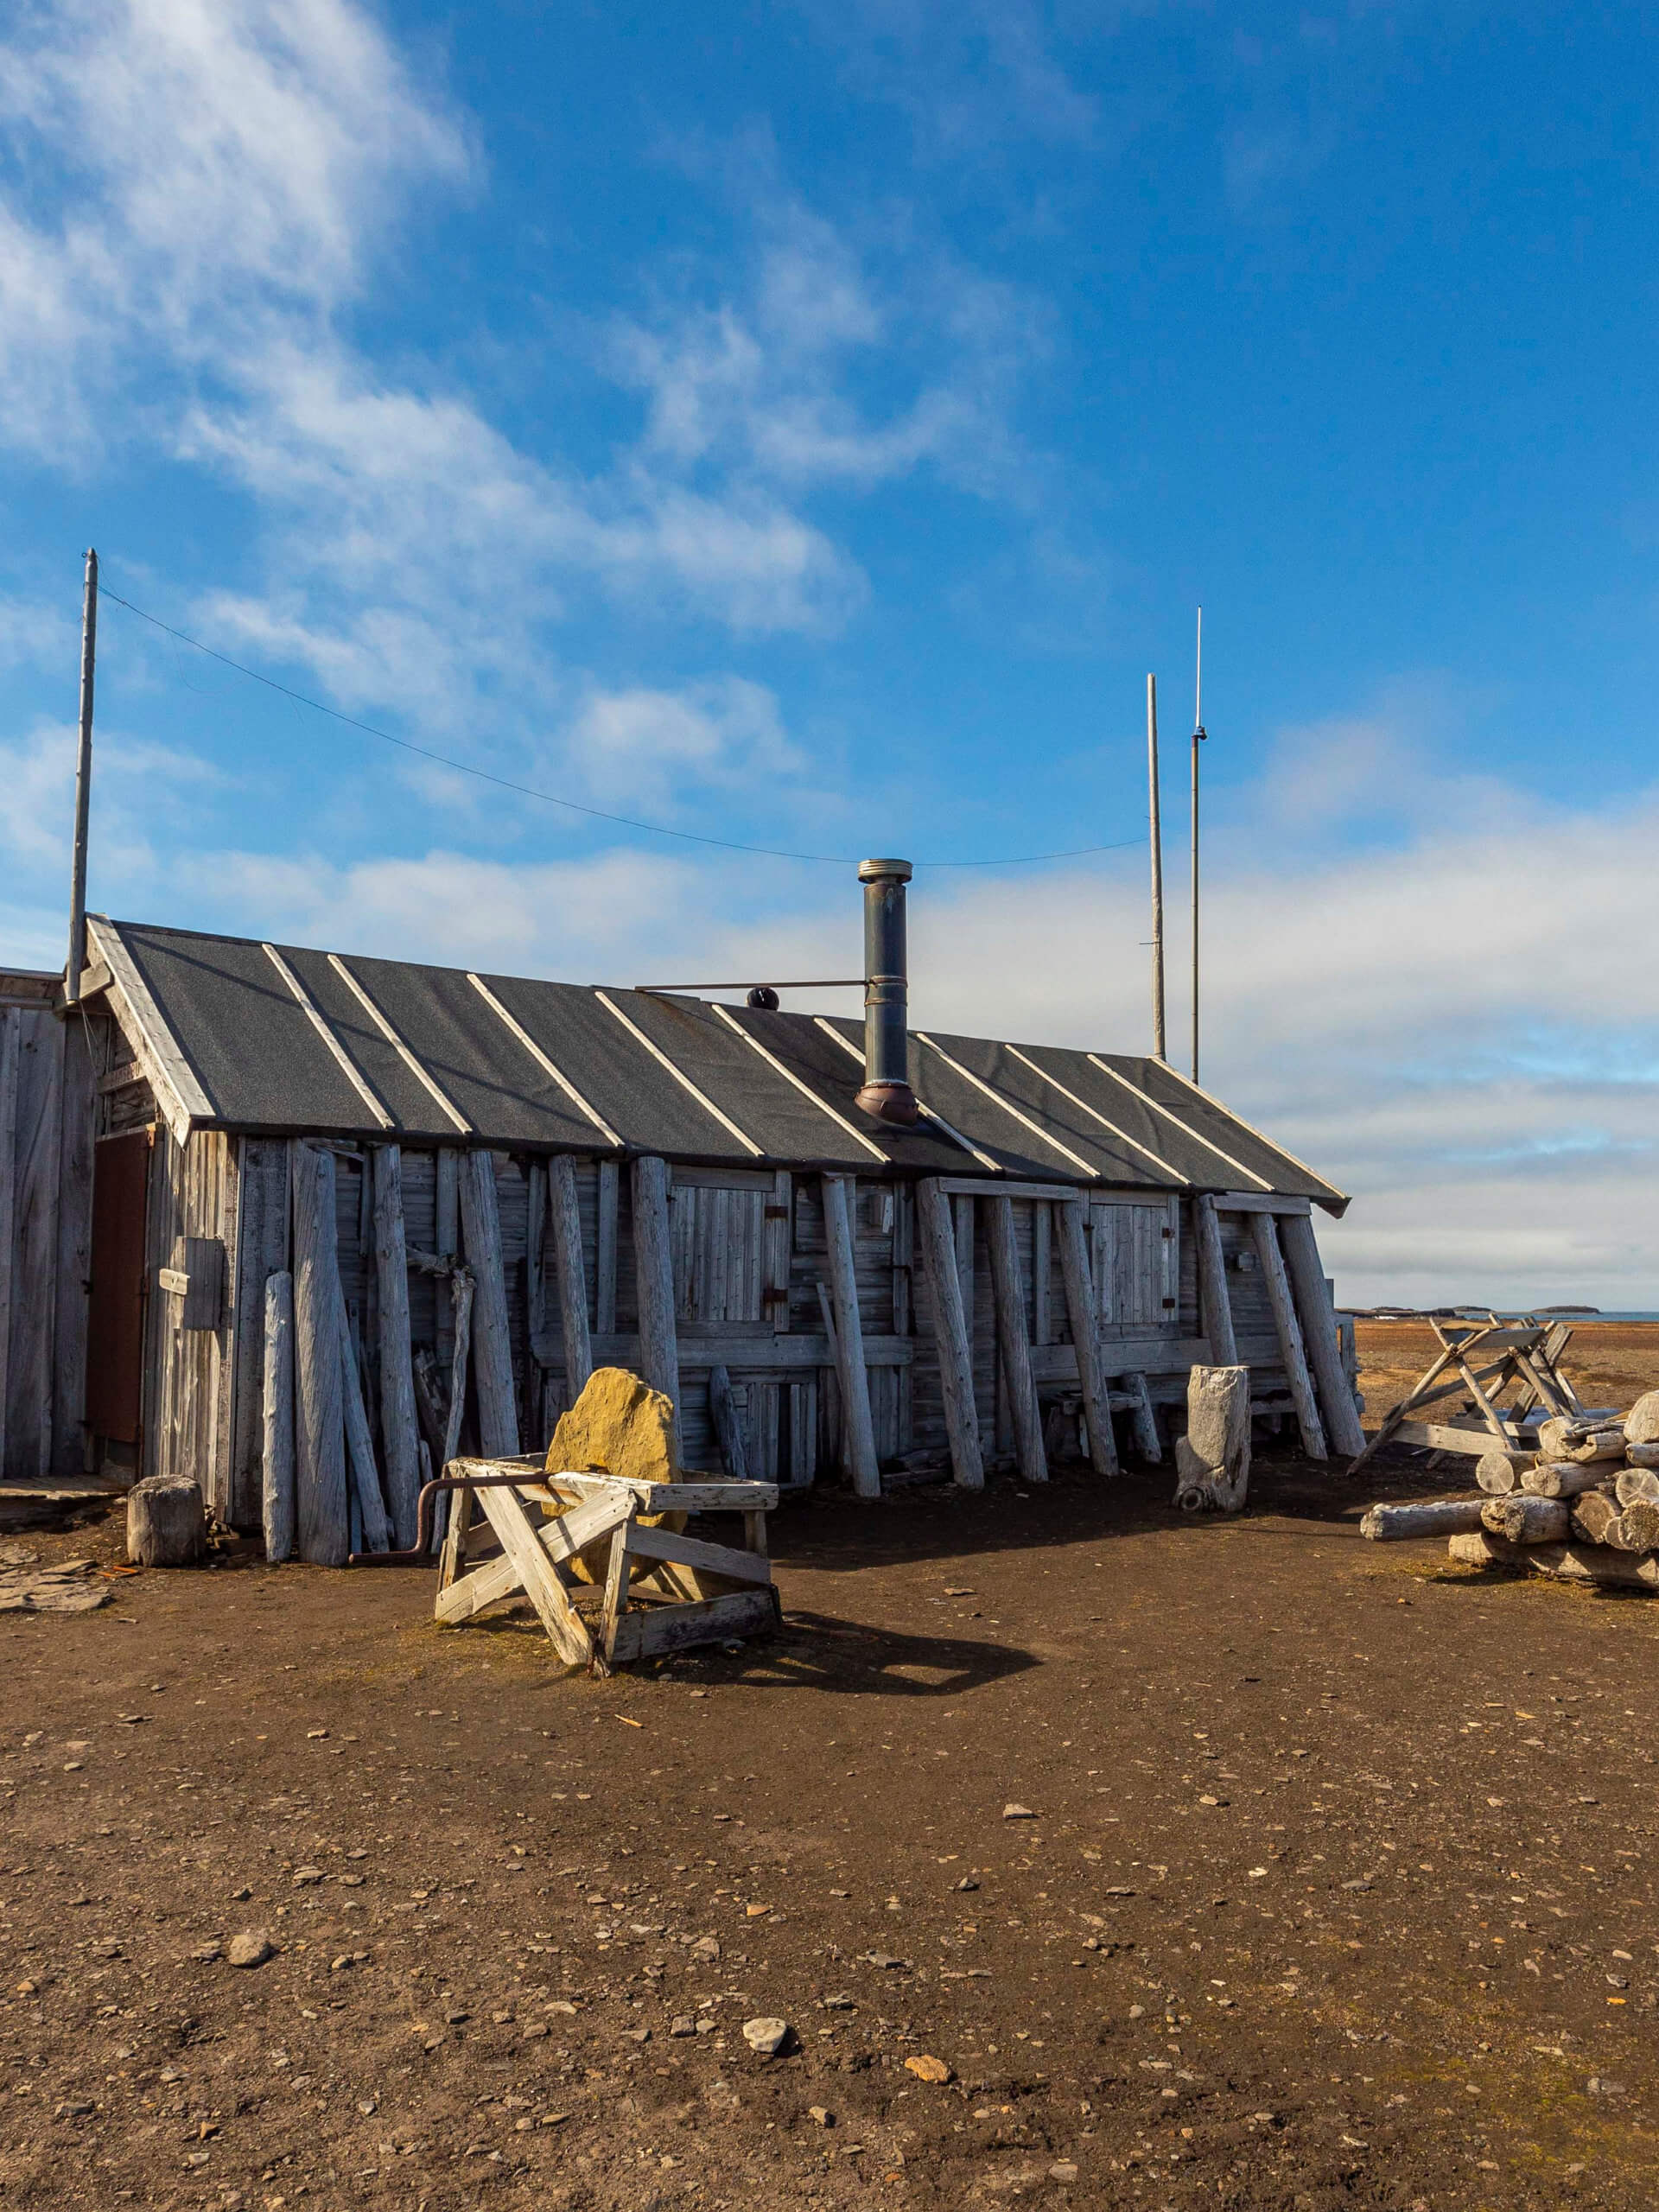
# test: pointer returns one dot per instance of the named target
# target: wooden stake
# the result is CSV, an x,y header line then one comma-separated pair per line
x,y
951,1333
1013,1341
1086,1334
858,1427
1271,1260
653,1262
1214,1305
572,1274
1301,1254
481,1228
278,1462
320,1434
400,1431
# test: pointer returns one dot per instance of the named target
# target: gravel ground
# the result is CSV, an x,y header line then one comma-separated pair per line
x,y
1330,1881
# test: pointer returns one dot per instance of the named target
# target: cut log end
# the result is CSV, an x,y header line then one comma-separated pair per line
x,y
167,1525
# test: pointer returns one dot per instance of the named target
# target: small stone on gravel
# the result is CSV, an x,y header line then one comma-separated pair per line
x,y
250,1949
765,2036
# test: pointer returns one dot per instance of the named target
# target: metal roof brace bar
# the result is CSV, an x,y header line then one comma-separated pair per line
x,y
353,1076
823,1105
542,1059
408,1058
1094,1114
1024,1119
926,1112
1185,1128
683,1080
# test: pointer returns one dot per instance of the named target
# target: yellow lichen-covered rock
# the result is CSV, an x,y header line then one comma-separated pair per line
x,y
618,1426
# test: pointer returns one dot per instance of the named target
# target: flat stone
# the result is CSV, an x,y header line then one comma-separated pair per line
x,y
1018,1813
765,2036
251,1948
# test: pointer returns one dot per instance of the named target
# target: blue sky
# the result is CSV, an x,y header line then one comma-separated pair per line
x,y
807,425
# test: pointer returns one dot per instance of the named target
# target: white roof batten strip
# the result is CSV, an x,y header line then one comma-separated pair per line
x,y
1185,1128
542,1061
926,1112
166,1066
680,1077
359,1082
1178,1182
408,1058
778,1068
1272,1143
1024,1119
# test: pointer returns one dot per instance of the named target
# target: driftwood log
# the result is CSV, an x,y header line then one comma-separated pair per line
x,y
166,1523
1571,1437
1212,1460
1523,1520
1639,1525
1591,1563
1561,1479
1642,1422
1441,1516
1633,1483
1593,1515
1498,1473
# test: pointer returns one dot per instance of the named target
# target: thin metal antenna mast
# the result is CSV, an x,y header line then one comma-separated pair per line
x,y
1198,737
1156,832
83,785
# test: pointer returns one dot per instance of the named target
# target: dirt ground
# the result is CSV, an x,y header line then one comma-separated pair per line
x,y
1334,1884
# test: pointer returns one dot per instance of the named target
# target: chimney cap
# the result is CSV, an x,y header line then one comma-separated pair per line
x,y
877,871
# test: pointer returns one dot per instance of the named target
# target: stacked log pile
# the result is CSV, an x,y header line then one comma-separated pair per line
x,y
1584,1508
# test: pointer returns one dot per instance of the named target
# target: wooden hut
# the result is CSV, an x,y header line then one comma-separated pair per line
x,y
1023,1257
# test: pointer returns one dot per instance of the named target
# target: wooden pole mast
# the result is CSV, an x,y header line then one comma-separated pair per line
x,y
83,783
1156,833
1198,734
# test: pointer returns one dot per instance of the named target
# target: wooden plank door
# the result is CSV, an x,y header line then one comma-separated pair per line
x,y
115,1336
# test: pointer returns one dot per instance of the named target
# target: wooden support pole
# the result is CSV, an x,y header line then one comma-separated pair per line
x,y
572,1276
951,1333
1013,1341
481,1228
1265,1235
83,783
446,1232
1319,1321
858,1425
359,1446
1214,1305
319,1429
399,1429
277,1486
533,1396
653,1265
1042,1220
1086,1334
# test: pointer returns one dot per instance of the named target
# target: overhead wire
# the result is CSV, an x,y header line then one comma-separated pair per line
x,y
557,798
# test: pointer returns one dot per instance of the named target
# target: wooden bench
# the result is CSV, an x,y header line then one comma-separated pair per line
x,y
664,1590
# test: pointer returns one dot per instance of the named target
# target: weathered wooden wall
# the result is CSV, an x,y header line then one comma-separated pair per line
x,y
46,1138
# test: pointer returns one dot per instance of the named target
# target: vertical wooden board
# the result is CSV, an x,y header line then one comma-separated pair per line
x,y
492,1345
607,1180
221,1345
262,1250
1071,1235
163,1225
74,1250
852,1374
446,1242
940,1245
571,1274
323,1512
419,1235
1039,1271
778,1244
35,1246
399,1428
802,1431
654,1266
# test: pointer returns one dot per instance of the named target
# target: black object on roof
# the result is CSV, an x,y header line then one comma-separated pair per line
x,y
281,1040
